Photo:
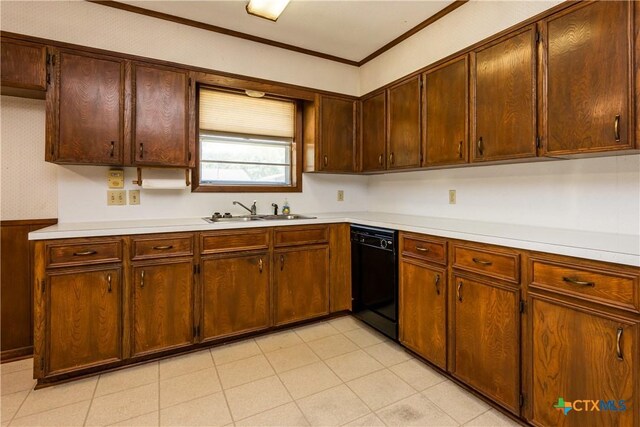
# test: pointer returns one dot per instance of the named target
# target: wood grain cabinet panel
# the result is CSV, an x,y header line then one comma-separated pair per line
x,y
588,78
86,117
579,354
233,241
374,138
486,331
301,235
84,319
500,263
301,283
162,306
403,125
504,102
23,66
160,116
149,247
236,292
423,319
337,134
83,252
424,248
446,102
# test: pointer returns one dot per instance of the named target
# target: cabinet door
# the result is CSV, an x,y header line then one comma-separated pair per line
x,y
374,156
160,116
23,65
486,338
86,122
446,102
403,125
301,284
337,134
588,79
504,111
423,321
578,354
84,309
162,306
235,294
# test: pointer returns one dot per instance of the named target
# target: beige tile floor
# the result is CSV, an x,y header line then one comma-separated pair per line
x,y
338,372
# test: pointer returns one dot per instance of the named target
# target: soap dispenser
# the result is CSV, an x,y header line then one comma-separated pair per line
x,y
285,208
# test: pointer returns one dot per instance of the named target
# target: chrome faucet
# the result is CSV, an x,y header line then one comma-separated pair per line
x,y
253,210
275,208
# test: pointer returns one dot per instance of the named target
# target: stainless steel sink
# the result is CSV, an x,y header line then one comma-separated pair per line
x,y
246,218
290,216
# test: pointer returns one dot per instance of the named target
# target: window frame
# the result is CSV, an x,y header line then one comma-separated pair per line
x,y
296,155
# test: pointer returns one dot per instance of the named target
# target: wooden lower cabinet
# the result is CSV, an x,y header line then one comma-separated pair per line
x,y
301,283
423,302
84,318
162,303
578,355
236,293
486,338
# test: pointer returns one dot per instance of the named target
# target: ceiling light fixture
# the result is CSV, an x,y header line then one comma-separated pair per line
x,y
268,9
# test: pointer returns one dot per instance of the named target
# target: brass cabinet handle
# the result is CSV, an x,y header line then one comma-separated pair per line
x,y
142,279
437,283
281,262
141,150
109,282
459,291
460,150
326,160
578,282
618,347
391,158
480,146
616,128
260,265
163,248
85,253
113,147
421,249
380,159
481,261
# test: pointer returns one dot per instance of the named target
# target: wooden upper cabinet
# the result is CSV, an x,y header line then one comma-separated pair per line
x,y
85,109
337,128
374,138
403,124
24,68
84,319
503,107
446,113
236,294
162,306
160,116
486,338
586,68
578,353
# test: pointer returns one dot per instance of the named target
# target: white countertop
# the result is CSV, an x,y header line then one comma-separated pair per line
x,y
610,247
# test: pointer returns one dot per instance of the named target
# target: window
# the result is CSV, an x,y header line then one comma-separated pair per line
x,y
246,143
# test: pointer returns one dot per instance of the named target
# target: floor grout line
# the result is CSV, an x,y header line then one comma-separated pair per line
x,y
19,406
224,394
93,395
159,396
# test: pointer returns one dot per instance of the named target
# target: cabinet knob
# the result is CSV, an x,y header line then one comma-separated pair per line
x,y
616,128
260,265
618,345
326,160
391,158
109,282
142,279
380,159
281,262
141,150
480,146
437,283
112,150
459,291
460,149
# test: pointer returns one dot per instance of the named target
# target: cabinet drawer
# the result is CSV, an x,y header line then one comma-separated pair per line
x,y
424,248
605,286
245,240
161,247
305,235
96,251
490,262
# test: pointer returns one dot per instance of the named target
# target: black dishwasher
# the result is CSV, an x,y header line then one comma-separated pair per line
x,y
374,278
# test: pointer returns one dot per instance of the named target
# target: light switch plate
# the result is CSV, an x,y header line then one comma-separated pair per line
x,y
341,195
115,178
134,197
452,197
116,197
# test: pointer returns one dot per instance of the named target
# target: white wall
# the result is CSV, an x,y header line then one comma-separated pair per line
x,y
599,194
474,21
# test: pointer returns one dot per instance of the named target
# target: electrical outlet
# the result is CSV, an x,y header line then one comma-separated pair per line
x,y
452,197
341,195
134,197
116,197
115,178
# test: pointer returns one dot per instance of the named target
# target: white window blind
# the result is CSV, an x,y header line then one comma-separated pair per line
x,y
244,140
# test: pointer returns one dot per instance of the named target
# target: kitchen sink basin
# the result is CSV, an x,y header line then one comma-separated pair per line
x,y
246,218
